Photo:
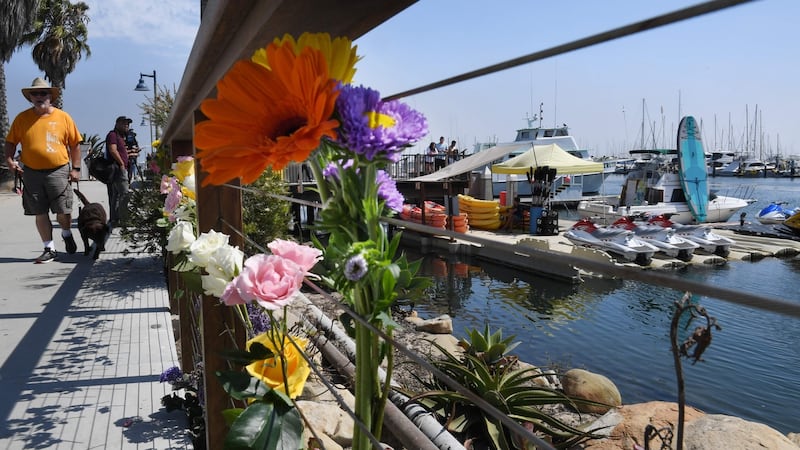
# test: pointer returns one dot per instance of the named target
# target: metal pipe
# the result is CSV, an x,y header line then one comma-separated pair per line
x,y
415,419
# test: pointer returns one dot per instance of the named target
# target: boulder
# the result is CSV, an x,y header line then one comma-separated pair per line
x,y
329,420
627,424
716,431
583,384
439,325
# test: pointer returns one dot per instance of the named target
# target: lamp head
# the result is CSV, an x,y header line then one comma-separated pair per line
x,y
141,86
143,123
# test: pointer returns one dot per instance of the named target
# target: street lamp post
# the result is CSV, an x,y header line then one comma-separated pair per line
x,y
141,86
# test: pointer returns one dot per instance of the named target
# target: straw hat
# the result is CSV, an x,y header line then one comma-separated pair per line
x,y
39,84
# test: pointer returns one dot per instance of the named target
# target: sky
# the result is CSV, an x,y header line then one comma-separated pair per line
x,y
736,71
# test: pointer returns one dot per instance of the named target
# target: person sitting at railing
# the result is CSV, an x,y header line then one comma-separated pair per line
x,y
452,153
441,154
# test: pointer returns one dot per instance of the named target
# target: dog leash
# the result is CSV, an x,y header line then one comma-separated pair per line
x,y
18,182
78,187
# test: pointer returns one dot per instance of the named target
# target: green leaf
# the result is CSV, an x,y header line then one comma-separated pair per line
x,y
182,264
241,385
259,351
244,357
266,426
230,415
192,281
248,429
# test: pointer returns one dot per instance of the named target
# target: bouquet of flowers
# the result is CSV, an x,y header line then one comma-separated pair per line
x,y
293,101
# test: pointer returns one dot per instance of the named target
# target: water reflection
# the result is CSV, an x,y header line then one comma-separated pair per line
x,y
458,281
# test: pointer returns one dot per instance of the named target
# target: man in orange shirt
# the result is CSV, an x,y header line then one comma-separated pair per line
x,y
49,140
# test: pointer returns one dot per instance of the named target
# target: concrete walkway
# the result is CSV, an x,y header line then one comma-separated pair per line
x,y
83,343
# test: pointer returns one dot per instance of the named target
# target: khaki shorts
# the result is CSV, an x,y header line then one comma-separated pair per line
x,y
46,190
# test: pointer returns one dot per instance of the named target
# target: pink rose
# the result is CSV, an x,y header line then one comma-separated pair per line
x,y
302,255
269,280
230,296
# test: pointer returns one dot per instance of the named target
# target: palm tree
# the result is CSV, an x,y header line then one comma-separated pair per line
x,y
16,17
59,38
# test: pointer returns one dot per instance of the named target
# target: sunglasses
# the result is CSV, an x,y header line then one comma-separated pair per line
x,y
40,93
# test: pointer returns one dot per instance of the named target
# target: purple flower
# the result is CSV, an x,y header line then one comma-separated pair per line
x,y
373,128
259,318
355,268
332,170
387,190
171,375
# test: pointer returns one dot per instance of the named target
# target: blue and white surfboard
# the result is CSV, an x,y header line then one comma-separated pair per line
x,y
692,163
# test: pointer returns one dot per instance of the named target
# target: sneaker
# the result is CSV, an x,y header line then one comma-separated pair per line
x,y
46,256
69,243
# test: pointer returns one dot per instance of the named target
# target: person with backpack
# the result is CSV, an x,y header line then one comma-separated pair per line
x,y
118,184
49,139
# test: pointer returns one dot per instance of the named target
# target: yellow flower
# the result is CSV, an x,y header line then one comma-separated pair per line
x,y
339,53
183,169
156,144
270,371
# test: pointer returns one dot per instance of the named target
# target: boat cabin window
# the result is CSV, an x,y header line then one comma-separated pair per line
x,y
678,196
525,135
653,196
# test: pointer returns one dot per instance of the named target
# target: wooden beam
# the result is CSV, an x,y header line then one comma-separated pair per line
x,y
232,30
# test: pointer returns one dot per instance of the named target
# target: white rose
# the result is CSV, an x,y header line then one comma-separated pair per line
x,y
202,248
214,285
180,237
225,262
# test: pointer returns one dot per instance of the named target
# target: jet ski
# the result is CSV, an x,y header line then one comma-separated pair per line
x,y
776,213
702,235
660,237
619,242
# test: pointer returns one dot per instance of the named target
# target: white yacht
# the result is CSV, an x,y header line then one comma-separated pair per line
x,y
653,187
570,188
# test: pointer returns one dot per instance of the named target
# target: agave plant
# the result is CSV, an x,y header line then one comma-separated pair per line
x,y
489,347
513,392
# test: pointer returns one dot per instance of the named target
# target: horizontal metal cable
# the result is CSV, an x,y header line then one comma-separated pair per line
x,y
627,30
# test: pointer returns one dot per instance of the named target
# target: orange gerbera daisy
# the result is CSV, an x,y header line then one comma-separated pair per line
x,y
266,117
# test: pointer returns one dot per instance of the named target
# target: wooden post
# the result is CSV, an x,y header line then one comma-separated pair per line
x,y
218,208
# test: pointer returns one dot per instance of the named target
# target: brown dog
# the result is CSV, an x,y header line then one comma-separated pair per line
x,y
92,224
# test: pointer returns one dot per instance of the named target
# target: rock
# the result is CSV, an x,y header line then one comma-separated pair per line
x,y
315,391
794,437
583,384
717,431
440,325
447,341
629,423
328,419
547,379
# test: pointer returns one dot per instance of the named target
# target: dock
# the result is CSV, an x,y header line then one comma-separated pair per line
x,y
523,251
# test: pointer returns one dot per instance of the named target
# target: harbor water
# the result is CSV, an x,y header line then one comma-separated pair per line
x,y
621,328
